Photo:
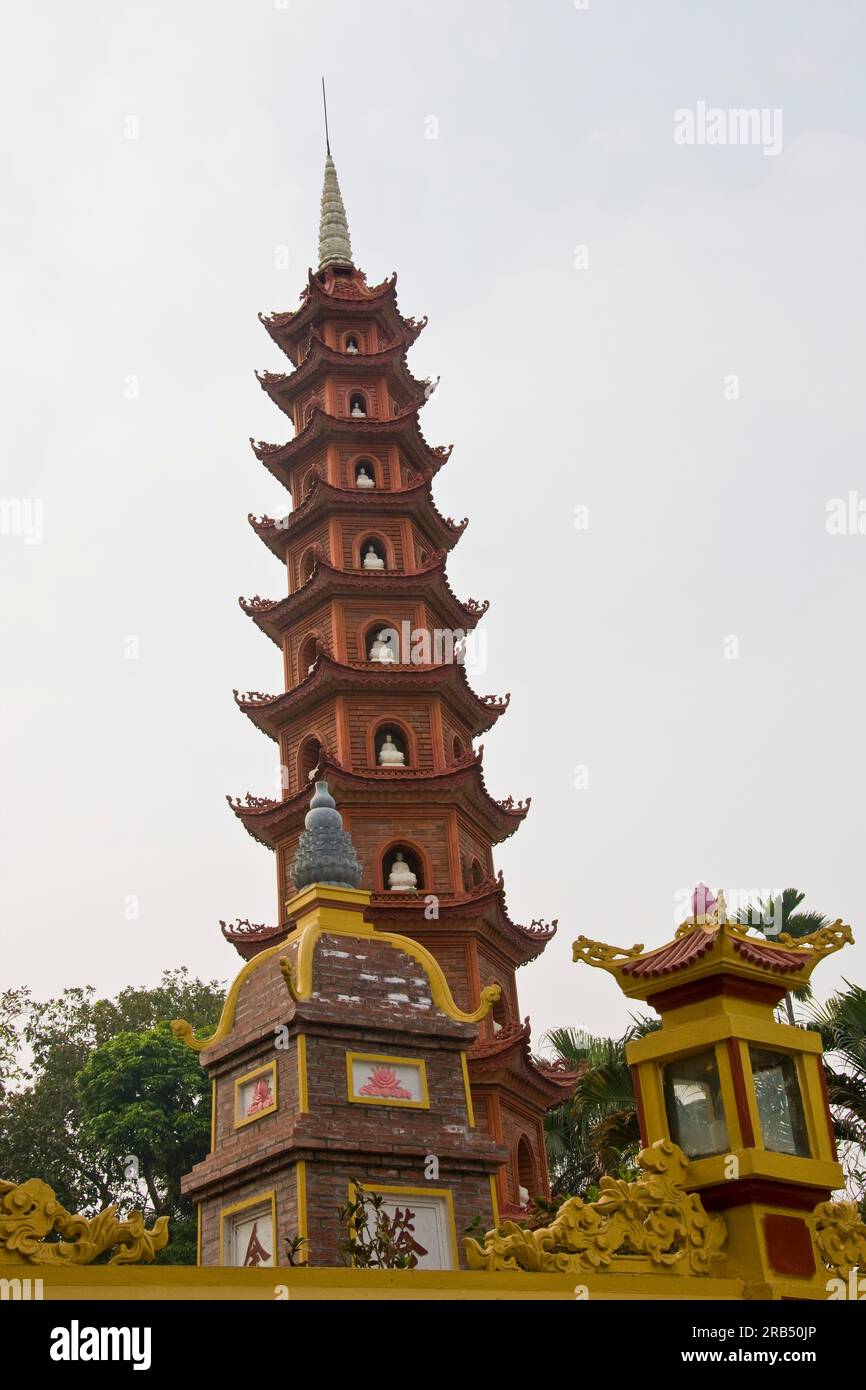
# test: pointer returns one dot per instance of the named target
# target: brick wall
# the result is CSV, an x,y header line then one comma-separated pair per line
x,y
412,712
347,458
369,997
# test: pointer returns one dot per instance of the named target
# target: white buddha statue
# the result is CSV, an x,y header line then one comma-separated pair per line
x,y
363,479
358,412
372,561
401,878
523,1196
352,346
390,755
380,649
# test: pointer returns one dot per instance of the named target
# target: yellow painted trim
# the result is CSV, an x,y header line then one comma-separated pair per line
x,y
183,1030
258,1201
314,919
764,1163
813,1102
301,1194
680,1039
494,1200
213,1114
186,1284
251,1076
303,1087
332,923
419,1192
464,1067
422,1104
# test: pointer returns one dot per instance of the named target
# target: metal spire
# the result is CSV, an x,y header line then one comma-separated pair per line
x,y
325,108
335,248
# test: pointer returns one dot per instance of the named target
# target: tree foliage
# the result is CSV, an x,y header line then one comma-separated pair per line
x,y
595,1132
63,1131
842,1024
374,1239
771,916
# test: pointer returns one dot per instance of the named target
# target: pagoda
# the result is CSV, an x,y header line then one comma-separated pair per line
x,y
376,699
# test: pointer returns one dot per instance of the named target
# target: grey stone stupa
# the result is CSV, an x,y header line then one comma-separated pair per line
x,y
325,850
335,248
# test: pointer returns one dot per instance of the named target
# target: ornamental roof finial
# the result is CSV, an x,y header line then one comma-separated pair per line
x,y
335,248
325,850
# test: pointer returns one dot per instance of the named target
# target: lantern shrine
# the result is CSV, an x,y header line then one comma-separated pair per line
x,y
738,1158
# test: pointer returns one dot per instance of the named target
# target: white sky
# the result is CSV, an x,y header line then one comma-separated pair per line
x,y
149,257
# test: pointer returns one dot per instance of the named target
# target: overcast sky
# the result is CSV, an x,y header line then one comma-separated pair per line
x,y
669,336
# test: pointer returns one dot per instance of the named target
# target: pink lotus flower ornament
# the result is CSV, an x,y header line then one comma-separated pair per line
x,y
703,902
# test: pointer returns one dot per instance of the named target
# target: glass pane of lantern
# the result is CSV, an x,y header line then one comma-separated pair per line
x,y
693,1102
780,1105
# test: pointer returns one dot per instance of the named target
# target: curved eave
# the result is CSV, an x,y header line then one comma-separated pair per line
x,y
507,1059
287,327
249,938
275,616
523,944
406,912
322,428
271,713
327,498
270,821
321,361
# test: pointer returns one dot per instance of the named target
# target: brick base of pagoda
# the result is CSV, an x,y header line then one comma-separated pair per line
x,y
341,1059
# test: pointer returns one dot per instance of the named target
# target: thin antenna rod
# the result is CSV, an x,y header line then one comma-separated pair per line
x,y
325,105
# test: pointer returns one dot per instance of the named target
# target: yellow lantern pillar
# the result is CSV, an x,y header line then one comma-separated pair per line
x,y
743,1095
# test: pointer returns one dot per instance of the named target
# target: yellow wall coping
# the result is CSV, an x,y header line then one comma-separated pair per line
x,y
186,1282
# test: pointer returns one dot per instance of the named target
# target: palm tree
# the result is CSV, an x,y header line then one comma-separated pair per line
x,y
770,916
842,1024
596,1131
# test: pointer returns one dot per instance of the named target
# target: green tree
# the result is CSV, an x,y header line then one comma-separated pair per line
x,y
842,1024
595,1132
42,1131
145,1103
771,916
13,1003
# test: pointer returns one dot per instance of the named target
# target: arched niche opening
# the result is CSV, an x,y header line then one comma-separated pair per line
x,y
372,555
307,565
527,1185
458,748
402,870
500,1014
391,746
309,754
358,405
381,643
351,344
365,474
475,873
307,656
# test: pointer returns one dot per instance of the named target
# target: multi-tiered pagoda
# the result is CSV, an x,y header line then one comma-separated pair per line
x,y
376,696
